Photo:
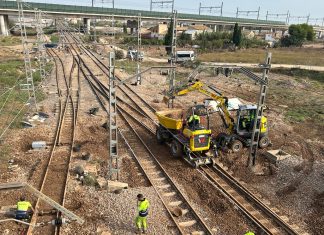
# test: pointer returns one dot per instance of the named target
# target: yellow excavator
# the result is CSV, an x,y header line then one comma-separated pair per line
x,y
239,133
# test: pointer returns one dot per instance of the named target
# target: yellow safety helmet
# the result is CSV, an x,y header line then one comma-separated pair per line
x,y
249,233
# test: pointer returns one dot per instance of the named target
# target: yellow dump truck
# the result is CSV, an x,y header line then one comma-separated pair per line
x,y
187,139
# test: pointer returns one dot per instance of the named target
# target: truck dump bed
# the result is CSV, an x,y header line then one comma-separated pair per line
x,y
170,119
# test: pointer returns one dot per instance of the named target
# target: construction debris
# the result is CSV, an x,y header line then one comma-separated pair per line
x,y
276,155
93,111
38,145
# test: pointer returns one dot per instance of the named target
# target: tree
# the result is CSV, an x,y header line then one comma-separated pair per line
x,y
310,34
125,28
168,38
184,39
237,35
298,34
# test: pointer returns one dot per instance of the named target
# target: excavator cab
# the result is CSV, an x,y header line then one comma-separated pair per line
x,y
245,120
246,115
195,130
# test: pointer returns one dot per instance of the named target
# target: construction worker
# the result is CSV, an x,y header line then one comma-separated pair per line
x,y
23,209
193,121
142,206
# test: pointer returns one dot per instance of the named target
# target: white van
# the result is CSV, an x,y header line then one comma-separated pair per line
x,y
183,56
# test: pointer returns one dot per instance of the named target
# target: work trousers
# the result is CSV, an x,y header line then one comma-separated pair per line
x,y
141,222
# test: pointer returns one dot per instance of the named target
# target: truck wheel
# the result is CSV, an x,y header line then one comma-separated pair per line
x,y
236,146
264,142
176,148
159,136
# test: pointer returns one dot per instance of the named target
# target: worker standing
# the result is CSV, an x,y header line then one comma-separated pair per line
x,y
142,206
23,209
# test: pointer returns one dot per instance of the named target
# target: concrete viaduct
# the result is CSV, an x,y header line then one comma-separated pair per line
x,y
69,11
54,11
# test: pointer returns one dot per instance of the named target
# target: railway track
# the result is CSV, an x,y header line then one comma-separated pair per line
x,y
263,216
56,175
186,220
126,89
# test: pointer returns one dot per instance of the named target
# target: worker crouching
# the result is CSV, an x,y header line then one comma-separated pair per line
x,y
24,209
142,206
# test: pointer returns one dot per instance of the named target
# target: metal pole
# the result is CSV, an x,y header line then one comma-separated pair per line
x,y
113,173
237,11
151,6
222,8
29,86
258,14
173,54
199,7
307,18
92,3
259,112
288,16
267,16
139,43
323,22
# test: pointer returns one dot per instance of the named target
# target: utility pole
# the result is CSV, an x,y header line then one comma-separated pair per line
x,y
254,145
40,43
288,16
277,15
173,55
29,85
248,12
162,4
211,8
113,168
139,44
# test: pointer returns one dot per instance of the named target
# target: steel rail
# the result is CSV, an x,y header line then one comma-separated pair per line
x,y
61,119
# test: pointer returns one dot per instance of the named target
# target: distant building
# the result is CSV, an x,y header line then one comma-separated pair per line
x,y
159,31
194,30
248,34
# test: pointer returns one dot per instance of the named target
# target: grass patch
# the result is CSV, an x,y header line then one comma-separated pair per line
x,y
10,72
301,114
55,38
300,56
14,99
9,41
301,73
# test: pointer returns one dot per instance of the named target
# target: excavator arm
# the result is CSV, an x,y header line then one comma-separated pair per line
x,y
222,102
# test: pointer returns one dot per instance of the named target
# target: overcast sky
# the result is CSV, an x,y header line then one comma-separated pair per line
x,y
296,7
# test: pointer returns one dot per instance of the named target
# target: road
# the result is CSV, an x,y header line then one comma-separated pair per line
x,y
288,66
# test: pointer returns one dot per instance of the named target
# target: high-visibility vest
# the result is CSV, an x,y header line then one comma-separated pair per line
x,y
23,205
249,233
143,208
194,117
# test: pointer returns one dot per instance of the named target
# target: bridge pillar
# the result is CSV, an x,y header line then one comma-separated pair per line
x,y
320,34
215,28
87,26
4,25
